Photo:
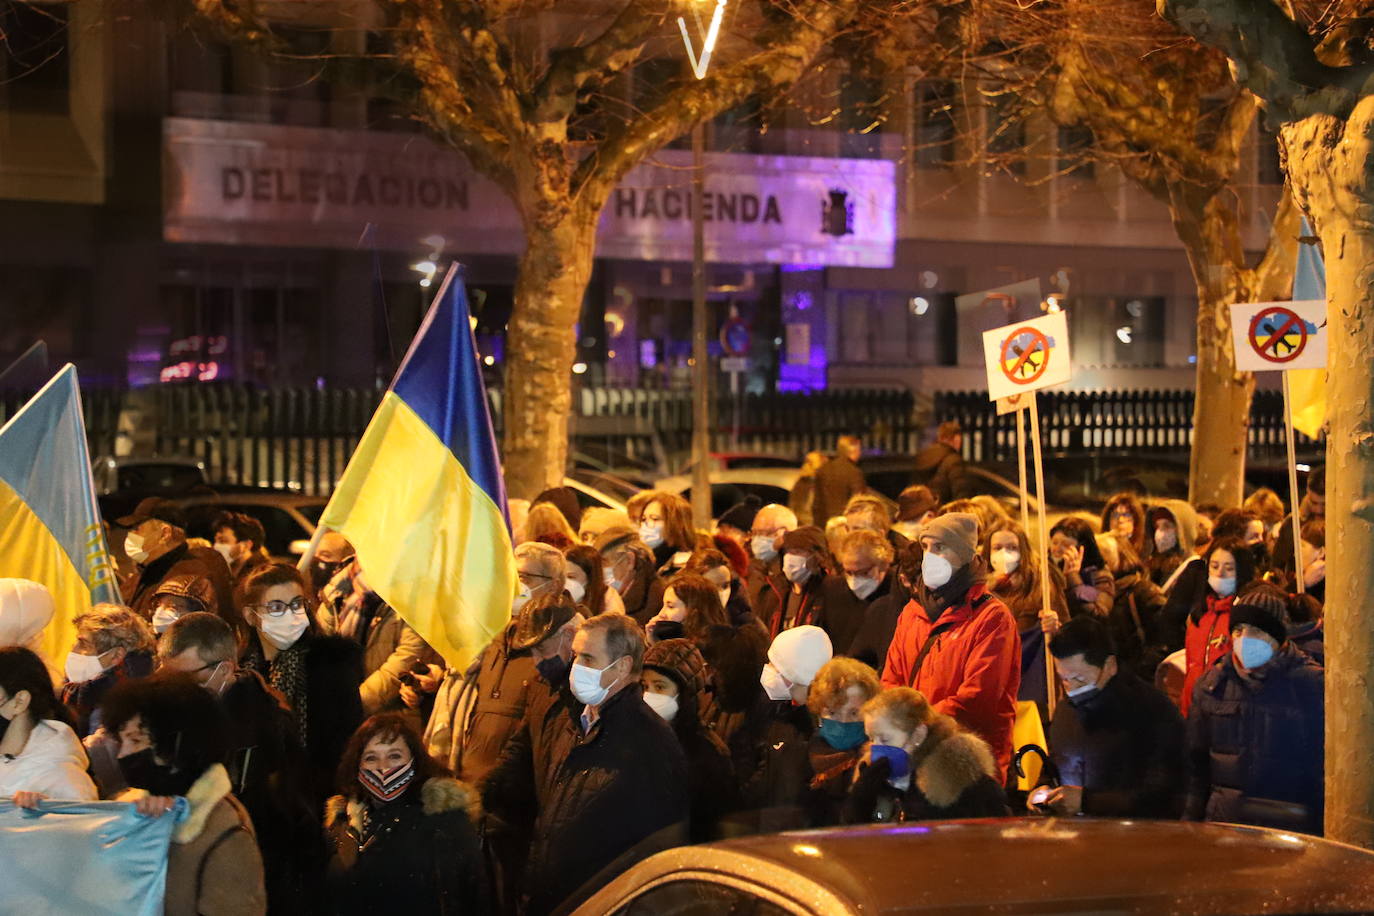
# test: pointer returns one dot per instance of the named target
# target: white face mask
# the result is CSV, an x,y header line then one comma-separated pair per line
x,y
651,535
163,618
661,703
862,586
226,551
283,631
133,548
763,548
576,590
1006,561
1222,585
795,569
82,668
1165,541
724,595
586,684
935,570
774,684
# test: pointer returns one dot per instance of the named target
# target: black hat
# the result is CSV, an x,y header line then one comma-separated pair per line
x,y
1265,608
541,618
152,507
741,515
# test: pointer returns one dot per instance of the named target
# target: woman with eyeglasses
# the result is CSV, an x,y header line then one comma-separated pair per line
x,y
319,675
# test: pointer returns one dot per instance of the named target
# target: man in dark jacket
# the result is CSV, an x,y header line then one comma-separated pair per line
x,y
871,642
865,576
1256,745
940,465
1118,742
837,481
610,780
156,542
765,552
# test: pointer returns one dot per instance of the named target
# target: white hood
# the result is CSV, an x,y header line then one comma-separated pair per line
x,y
25,609
53,762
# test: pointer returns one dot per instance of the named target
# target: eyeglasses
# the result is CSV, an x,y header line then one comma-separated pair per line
x,y
531,579
277,608
765,532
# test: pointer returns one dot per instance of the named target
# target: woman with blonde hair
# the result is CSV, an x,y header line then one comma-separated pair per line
x,y
841,688
920,765
548,525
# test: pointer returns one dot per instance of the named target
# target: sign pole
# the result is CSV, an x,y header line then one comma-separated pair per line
x,y
1050,678
1293,485
1021,469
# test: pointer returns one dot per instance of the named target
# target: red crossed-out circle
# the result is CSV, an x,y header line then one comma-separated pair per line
x,y
1025,370
1270,327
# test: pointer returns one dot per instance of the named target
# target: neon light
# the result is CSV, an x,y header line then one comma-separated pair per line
x,y
699,67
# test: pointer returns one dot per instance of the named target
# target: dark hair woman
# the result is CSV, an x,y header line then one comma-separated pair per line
x,y
40,755
1124,516
1230,567
402,828
665,527
318,675
691,606
585,582
1088,584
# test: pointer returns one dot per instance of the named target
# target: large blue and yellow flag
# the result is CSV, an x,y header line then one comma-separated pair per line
x,y
49,521
1307,387
422,499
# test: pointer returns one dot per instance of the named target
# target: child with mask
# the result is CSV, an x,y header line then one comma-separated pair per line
x,y
402,830
920,765
840,690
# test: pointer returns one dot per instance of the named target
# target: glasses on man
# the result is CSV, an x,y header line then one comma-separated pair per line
x,y
277,608
765,532
533,580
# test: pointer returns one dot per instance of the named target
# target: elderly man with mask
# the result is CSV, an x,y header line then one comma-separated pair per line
x,y
477,711
956,642
765,552
156,542
865,575
609,777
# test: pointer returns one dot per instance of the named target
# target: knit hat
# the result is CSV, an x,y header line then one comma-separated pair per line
x,y
800,652
541,618
680,661
565,501
1265,608
956,530
741,515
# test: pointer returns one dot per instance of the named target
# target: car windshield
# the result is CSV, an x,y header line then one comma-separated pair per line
x,y
609,484
160,478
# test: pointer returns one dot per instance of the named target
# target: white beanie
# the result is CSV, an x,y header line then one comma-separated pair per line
x,y
799,653
26,607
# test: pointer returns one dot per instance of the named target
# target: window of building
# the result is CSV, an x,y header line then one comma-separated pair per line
x,y
1117,331
861,116
1006,134
35,62
1075,152
739,130
935,127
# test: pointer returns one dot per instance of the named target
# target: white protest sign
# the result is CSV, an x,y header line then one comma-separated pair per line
x,y
1272,336
1012,404
1027,356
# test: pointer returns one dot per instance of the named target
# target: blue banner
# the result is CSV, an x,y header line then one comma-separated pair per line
x,y
93,858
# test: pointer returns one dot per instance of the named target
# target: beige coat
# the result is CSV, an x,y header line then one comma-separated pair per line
x,y
392,649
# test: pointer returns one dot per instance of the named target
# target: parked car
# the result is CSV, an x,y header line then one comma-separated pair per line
x,y
769,484
598,488
288,518
121,483
999,866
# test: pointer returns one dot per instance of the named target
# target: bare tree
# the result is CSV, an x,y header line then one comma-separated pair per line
x,y
493,84
1315,74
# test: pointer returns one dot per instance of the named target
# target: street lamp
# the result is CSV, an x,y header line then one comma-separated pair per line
x,y
701,389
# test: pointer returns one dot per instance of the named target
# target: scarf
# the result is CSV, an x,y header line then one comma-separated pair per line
x,y
390,785
286,674
937,601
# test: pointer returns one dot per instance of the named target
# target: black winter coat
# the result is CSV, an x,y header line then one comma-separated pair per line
x,y
416,855
954,775
605,798
771,751
842,613
712,790
837,481
1256,745
1125,749
875,635
832,774
941,468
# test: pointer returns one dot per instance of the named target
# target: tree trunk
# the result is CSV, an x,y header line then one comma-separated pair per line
x,y
541,342
1221,400
1330,162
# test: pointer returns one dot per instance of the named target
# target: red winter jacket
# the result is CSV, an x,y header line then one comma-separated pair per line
x,y
973,671
1206,641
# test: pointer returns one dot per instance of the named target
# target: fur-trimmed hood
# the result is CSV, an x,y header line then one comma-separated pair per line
x,y
205,793
950,761
437,796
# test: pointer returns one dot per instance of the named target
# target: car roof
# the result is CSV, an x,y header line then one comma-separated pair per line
x,y
1079,865
253,498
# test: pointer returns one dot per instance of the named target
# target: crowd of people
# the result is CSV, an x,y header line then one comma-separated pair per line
x,y
839,660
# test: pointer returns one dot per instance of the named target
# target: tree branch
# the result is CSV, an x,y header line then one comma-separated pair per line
x,y
572,68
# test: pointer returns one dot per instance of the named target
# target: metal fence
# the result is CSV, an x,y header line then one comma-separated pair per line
x,y
301,438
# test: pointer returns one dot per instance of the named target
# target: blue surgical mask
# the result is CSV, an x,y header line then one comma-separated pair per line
x,y
896,758
1253,652
842,736
1222,585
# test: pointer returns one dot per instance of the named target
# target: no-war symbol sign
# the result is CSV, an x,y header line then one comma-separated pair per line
x,y
1270,336
1027,356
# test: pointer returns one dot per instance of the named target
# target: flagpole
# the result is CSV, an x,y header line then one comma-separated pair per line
x,y
304,565
1293,485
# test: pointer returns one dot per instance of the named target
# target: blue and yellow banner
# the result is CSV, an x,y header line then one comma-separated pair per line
x,y
422,499
49,521
1307,387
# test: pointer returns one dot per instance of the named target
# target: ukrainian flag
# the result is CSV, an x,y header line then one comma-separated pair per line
x,y
49,521
1307,387
422,500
